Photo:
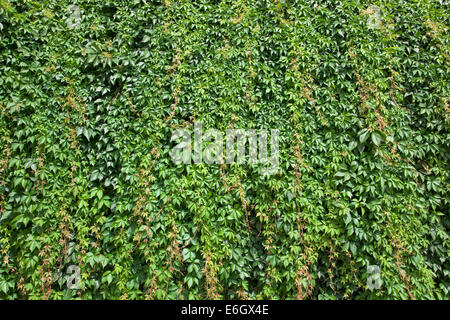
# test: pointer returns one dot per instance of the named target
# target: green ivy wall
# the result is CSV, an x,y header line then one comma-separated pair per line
x,y
86,178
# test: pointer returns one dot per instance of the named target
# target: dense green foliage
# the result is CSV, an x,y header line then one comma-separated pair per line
x,y
86,177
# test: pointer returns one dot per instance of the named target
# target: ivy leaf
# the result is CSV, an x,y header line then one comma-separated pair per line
x,y
377,138
363,135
